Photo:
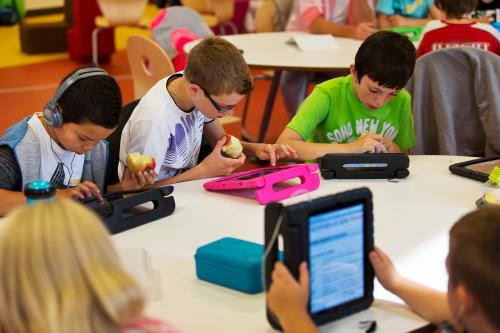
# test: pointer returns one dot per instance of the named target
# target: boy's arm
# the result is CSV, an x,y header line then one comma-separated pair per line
x,y
401,21
322,26
214,164
383,21
427,302
368,142
9,200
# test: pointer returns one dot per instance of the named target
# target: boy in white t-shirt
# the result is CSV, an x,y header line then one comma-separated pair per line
x,y
169,121
64,144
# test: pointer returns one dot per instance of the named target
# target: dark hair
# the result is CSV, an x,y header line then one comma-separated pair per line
x,y
473,259
387,58
218,66
95,99
455,8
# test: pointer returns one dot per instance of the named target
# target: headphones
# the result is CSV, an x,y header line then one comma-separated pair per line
x,y
53,116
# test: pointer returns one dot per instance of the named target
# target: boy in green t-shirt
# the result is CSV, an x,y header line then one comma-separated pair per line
x,y
367,111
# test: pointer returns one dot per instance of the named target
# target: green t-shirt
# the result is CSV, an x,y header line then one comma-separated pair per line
x,y
333,114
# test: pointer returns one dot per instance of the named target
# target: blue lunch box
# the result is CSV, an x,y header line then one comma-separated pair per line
x,y
232,263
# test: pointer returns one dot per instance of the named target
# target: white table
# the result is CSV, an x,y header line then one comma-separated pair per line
x,y
271,51
412,219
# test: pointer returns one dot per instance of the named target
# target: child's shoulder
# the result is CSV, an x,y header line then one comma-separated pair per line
x,y
335,84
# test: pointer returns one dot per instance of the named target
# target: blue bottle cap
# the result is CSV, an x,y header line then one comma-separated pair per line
x,y
39,189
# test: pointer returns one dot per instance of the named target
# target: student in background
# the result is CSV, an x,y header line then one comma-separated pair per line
x,y
401,13
457,30
470,305
488,11
170,119
61,273
64,144
343,18
367,111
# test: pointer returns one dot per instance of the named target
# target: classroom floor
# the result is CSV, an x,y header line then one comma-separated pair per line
x,y
27,82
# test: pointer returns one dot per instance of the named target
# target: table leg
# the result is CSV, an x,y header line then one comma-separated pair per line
x,y
271,96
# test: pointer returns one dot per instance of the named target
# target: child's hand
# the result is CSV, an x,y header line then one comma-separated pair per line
x,y
288,297
131,181
274,152
385,271
368,143
83,190
398,21
390,146
217,165
363,30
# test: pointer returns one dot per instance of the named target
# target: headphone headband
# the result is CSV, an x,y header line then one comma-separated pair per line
x,y
52,115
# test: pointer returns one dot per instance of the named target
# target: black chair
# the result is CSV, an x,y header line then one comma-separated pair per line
x,y
114,144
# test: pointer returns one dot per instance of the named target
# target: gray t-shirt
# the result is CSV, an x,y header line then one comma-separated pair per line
x,y
10,174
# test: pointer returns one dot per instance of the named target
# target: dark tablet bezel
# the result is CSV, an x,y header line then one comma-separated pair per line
x,y
460,169
295,233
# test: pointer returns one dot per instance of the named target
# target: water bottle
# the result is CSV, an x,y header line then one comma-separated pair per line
x,y
39,190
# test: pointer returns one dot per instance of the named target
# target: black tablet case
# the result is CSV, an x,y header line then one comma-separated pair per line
x,y
119,212
332,166
296,250
461,170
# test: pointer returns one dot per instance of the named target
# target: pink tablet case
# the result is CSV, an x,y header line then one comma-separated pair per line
x,y
264,180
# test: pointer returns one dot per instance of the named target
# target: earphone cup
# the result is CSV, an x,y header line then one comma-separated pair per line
x,y
53,116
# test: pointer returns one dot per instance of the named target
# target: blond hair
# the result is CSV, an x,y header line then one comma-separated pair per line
x,y
61,273
218,66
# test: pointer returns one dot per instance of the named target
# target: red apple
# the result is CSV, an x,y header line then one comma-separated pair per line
x,y
137,162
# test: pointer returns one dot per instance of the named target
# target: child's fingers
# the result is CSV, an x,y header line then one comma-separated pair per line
x,y
271,152
304,275
76,195
85,189
220,143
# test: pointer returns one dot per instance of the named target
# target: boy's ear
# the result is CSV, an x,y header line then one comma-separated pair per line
x,y
354,75
467,302
193,88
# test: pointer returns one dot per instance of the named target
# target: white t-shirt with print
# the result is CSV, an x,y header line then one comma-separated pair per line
x,y
52,154
157,127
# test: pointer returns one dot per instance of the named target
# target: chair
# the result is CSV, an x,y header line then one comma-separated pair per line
x,y
42,36
116,13
148,63
455,102
214,12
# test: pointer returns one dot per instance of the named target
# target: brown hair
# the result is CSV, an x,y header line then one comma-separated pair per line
x,y
218,67
61,273
455,9
473,259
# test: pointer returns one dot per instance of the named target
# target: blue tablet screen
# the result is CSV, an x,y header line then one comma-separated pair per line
x,y
336,257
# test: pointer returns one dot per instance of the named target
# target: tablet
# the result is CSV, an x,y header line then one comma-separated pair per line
x,y
477,169
250,179
271,183
334,234
365,166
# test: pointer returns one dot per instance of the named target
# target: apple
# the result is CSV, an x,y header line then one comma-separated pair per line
x,y
138,162
232,147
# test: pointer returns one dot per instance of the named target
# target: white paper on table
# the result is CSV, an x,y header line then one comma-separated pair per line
x,y
315,42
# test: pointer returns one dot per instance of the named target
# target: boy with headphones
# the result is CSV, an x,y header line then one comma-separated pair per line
x,y
367,111
64,144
